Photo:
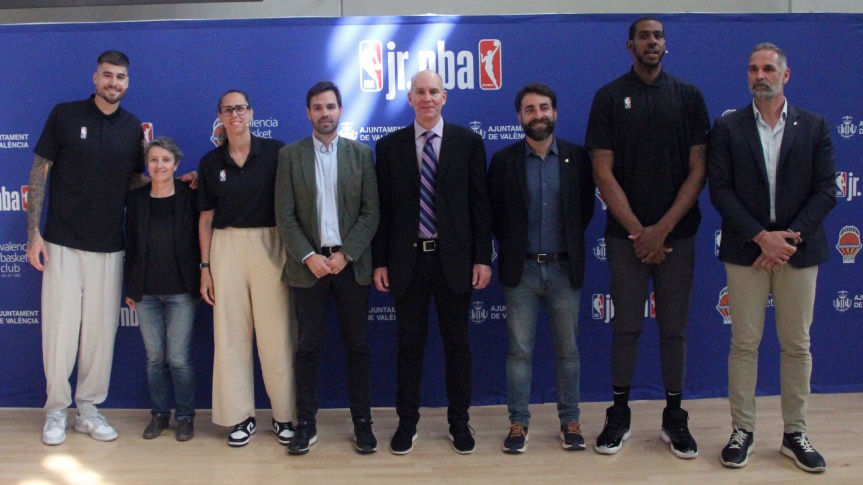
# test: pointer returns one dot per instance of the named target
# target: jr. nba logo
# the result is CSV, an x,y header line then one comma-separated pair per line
x,y
841,184
371,69
490,70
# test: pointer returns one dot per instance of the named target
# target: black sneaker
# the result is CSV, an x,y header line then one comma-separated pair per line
x,y
675,432
305,435
570,437
158,423
516,440
284,432
740,446
403,441
364,437
461,435
185,429
242,432
798,447
616,430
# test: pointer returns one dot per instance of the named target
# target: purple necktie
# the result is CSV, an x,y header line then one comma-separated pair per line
x,y
428,173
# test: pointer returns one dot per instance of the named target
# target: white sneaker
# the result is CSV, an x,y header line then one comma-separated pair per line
x,y
96,426
54,431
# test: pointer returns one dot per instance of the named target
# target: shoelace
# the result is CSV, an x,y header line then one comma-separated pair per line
x,y
55,421
738,437
98,419
804,443
516,430
573,428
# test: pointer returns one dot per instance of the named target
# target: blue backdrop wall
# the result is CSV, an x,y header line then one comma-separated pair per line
x,y
179,69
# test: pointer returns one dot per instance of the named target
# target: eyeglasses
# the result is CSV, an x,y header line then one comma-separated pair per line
x,y
240,109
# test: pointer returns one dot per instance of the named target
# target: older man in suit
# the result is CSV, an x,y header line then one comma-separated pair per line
x,y
541,191
434,239
772,179
327,213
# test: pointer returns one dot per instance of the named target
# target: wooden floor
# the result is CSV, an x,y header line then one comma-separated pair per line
x,y
835,423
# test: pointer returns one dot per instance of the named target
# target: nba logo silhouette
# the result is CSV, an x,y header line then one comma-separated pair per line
x,y
598,307
148,131
371,68
24,190
490,70
841,184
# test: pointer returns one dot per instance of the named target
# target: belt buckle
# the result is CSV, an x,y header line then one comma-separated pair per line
x,y
545,258
429,245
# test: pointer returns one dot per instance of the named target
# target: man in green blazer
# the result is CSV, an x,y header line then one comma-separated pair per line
x,y
327,213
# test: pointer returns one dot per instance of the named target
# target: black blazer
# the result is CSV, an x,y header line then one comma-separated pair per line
x,y
507,188
805,184
185,238
463,215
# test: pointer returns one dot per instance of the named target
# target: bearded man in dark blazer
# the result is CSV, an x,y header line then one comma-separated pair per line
x,y
434,239
772,178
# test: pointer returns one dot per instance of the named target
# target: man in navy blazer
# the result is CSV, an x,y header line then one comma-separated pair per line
x,y
434,238
772,178
542,198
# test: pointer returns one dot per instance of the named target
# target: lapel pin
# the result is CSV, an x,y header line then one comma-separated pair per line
x,y
566,160
795,123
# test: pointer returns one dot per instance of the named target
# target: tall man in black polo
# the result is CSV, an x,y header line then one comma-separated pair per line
x,y
772,178
541,191
92,150
327,213
647,133
434,238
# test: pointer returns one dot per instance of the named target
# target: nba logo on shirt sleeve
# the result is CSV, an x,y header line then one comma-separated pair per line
x,y
83,132
371,67
490,69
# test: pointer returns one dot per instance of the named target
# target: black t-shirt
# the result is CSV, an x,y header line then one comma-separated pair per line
x,y
241,196
162,274
94,157
650,128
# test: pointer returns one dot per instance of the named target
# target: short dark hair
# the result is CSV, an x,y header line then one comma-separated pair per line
x,y
633,28
767,46
166,143
323,87
535,88
244,95
115,58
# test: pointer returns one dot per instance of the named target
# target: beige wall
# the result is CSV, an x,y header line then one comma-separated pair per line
x,y
346,8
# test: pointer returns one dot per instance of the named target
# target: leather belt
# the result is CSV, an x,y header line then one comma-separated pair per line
x,y
427,245
548,257
329,251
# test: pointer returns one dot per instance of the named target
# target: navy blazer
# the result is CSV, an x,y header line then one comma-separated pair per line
x,y
507,188
188,249
463,217
805,184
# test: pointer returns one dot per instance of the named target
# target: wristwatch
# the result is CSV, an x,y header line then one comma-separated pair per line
x,y
204,265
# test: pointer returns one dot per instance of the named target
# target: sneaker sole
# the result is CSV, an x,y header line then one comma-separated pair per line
x,y
54,441
303,451
610,450
680,454
575,447
104,438
283,441
460,452
731,464
516,451
404,452
790,454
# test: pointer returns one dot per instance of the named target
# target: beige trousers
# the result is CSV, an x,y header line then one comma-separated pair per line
x,y
80,315
793,292
251,302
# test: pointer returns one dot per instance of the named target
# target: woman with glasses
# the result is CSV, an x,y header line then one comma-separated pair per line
x,y
163,284
242,258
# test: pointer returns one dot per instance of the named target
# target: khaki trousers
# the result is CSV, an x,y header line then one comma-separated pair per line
x,y
251,300
794,301
80,315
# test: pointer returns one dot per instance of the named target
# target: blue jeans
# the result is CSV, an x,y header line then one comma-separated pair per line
x,y
166,323
542,283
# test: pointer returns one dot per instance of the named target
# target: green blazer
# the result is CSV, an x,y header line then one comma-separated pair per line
x,y
297,211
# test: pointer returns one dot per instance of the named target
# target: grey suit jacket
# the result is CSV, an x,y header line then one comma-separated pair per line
x,y
297,212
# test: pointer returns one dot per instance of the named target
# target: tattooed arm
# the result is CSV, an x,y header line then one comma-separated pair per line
x,y
35,198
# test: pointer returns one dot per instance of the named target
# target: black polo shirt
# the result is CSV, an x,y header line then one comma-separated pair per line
x,y
241,196
94,157
650,128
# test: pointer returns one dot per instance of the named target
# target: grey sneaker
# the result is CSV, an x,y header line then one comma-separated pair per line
x,y
54,431
96,426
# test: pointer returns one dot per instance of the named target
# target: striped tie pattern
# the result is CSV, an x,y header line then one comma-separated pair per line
x,y
428,174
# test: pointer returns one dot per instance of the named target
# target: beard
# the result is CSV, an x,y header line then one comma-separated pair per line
x,y
644,62
539,133
769,93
